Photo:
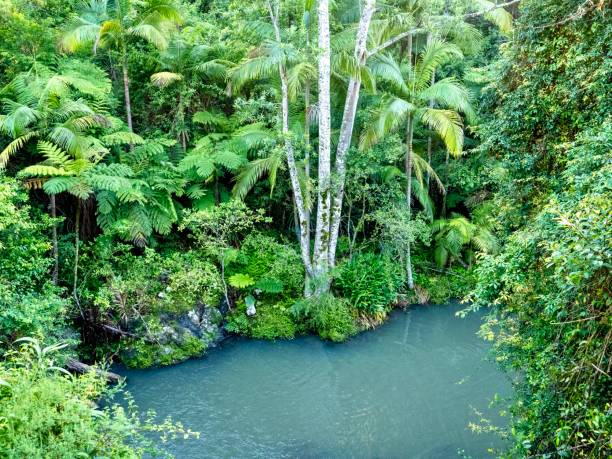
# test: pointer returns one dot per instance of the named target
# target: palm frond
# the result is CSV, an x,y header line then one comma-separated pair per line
x,y
447,124
163,79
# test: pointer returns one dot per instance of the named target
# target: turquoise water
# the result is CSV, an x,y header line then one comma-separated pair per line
x,y
407,389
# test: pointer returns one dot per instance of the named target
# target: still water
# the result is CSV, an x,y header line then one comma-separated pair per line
x,y
405,390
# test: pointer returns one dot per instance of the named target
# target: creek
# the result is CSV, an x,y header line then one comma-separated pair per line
x,y
408,389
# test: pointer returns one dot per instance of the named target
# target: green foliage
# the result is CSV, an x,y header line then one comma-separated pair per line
x,y
142,354
442,287
274,267
272,321
458,238
48,414
328,316
241,281
369,282
29,305
549,284
128,286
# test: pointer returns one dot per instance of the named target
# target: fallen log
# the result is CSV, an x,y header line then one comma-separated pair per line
x,y
82,368
117,331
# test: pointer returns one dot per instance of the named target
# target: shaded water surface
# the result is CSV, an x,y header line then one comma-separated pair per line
x,y
408,389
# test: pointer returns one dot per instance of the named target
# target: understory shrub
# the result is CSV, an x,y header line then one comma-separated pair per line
x,y
153,283
328,316
159,300
29,304
440,288
370,283
272,321
48,414
276,269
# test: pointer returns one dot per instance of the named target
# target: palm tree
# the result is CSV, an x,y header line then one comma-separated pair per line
x,y
457,238
407,104
114,24
181,63
57,107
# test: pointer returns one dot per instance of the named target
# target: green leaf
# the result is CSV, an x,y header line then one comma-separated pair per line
x,y
241,281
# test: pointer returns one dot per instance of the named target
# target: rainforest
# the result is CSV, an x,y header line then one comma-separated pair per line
x,y
305,228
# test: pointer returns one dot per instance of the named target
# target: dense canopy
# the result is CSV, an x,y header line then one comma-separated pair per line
x,y
176,171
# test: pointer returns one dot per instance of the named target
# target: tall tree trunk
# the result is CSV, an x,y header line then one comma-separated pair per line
x,y
346,129
291,164
445,185
217,191
126,93
408,168
77,231
181,119
307,109
431,105
53,208
321,244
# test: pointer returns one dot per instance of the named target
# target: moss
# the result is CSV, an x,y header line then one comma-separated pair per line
x,y
143,355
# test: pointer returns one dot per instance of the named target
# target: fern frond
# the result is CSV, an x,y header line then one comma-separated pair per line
x,y
122,138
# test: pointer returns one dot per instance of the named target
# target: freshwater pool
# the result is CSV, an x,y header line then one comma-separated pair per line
x,y
405,390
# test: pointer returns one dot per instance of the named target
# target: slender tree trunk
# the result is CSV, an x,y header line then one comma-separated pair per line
x,y
321,244
225,292
408,167
307,143
126,93
346,129
53,208
77,231
431,105
291,164
217,191
181,120
445,185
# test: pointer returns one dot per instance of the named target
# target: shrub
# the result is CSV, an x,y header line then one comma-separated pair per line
x,y
275,268
48,414
128,285
453,284
272,321
29,304
369,282
330,317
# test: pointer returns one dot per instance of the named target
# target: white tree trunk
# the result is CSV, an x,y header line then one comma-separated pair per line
x,y
291,164
408,163
346,129
321,246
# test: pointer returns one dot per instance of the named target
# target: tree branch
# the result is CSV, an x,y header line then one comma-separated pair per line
x,y
393,40
481,13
